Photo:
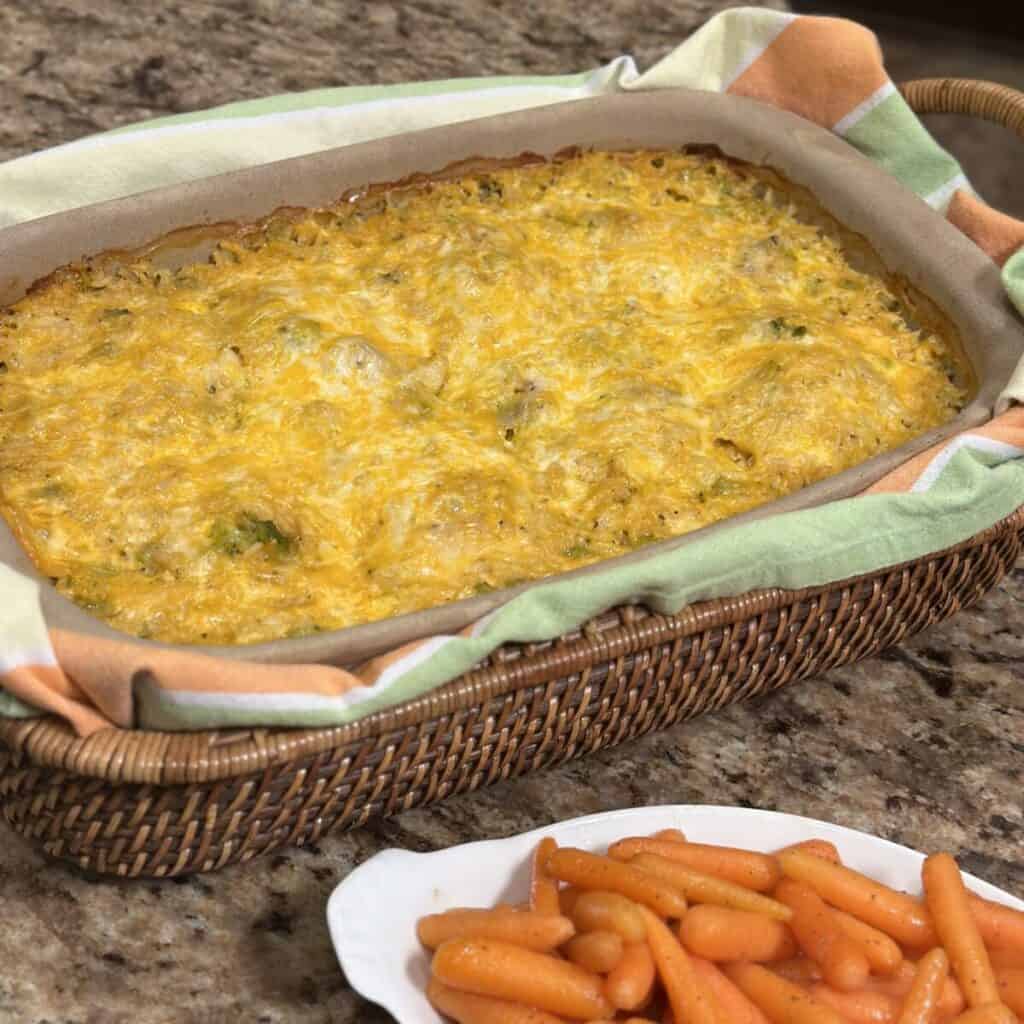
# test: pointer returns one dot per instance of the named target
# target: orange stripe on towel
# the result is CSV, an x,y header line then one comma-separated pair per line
x,y
371,670
998,234
47,687
106,669
819,68
1008,428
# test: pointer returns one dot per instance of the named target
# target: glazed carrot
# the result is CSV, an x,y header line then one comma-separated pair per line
x,y
497,969
922,1003
800,971
779,1000
700,888
864,1007
947,903
638,1020
589,871
688,996
737,1007
898,915
609,911
543,888
1000,926
628,985
1010,981
540,932
992,1013
843,964
631,846
883,954
466,1008
757,871
720,933
598,952
567,897
900,982
951,1001
818,848
672,835
1000,957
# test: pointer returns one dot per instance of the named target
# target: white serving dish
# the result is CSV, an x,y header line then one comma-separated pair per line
x,y
372,914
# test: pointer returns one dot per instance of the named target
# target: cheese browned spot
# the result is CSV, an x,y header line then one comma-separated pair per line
x,y
443,389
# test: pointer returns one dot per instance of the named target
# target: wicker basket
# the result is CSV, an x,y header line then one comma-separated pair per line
x,y
158,804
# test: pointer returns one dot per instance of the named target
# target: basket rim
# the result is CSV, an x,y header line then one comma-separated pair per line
x,y
974,97
136,756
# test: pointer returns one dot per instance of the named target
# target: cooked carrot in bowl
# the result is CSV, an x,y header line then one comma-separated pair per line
x,y
660,929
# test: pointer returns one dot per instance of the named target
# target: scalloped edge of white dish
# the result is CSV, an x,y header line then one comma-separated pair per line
x,y
372,914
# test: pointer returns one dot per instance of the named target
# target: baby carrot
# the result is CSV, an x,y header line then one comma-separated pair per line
x,y
900,982
951,915
629,983
779,1000
1000,926
922,1003
689,998
898,915
497,969
723,934
951,1000
672,835
466,1008
991,1013
543,888
589,871
818,847
883,954
540,932
737,1007
757,871
863,1007
700,888
608,911
843,964
567,897
801,970
1000,957
597,952
1010,981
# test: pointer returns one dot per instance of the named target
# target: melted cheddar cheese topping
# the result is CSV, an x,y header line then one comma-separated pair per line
x,y
442,389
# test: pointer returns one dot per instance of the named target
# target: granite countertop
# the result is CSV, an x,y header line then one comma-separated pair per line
x,y
923,745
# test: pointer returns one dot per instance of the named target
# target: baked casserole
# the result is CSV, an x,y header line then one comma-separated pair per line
x,y
448,386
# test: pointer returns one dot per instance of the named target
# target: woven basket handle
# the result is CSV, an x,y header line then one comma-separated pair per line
x,y
987,100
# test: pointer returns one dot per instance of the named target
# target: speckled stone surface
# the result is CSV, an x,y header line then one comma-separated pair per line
x,y
72,67
924,745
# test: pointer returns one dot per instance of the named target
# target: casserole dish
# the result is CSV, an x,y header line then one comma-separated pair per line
x,y
441,388
622,675
181,224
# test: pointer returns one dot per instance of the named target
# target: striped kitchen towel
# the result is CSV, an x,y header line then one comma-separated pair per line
x,y
827,70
